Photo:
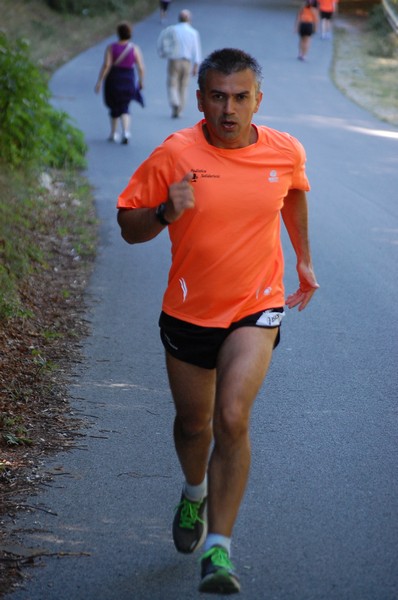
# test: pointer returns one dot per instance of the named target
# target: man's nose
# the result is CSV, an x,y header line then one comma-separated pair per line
x,y
229,106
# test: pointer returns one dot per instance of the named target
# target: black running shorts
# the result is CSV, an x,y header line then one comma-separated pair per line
x,y
200,345
306,29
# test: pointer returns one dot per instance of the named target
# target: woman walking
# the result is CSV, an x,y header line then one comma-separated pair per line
x,y
118,72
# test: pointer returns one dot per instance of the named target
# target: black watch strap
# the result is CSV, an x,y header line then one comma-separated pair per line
x,y
160,214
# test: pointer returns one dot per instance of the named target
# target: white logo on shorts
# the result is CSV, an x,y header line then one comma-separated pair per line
x,y
270,318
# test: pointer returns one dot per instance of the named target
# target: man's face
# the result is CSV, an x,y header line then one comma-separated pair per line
x,y
228,103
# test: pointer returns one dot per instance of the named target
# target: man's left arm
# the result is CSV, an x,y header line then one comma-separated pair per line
x,y
295,218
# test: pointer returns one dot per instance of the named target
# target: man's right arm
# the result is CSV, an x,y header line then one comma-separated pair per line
x,y
142,224
138,224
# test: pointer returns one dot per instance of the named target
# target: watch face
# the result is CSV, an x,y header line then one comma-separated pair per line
x,y
160,214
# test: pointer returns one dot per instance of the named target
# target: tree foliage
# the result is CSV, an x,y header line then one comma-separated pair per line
x,y
32,131
85,7
384,41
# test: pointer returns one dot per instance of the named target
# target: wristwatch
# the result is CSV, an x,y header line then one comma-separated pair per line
x,y
160,214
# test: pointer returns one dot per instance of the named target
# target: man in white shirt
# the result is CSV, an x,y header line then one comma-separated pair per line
x,y
183,62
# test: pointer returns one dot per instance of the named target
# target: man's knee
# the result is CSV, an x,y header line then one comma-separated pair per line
x,y
231,425
191,426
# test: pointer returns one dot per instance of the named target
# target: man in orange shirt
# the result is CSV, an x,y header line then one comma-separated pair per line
x,y
326,10
220,187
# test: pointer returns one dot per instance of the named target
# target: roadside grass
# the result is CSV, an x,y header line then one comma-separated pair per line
x,y
37,218
48,236
55,37
365,66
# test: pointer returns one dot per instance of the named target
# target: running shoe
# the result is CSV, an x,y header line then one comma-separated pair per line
x,y
189,525
218,573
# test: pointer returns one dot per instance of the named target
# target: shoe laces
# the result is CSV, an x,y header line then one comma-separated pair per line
x,y
189,513
219,557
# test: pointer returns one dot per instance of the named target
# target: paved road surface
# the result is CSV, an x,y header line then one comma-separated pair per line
x,y
319,520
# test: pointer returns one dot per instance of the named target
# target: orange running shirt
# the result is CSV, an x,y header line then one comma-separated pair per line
x,y
307,15
327,5
227,258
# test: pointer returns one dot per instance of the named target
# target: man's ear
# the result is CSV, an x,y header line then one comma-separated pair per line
x,y
199,100
259,98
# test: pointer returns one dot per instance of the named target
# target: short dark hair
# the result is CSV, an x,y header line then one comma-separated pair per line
x,y
124,30
228,61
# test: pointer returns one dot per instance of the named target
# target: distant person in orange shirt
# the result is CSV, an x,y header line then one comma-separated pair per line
x,y
306,25
327,8
221,188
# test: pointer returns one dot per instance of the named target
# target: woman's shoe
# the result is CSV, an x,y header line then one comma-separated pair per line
x,y
125,139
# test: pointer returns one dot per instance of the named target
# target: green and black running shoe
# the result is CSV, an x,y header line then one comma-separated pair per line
x,y
218,573
189,525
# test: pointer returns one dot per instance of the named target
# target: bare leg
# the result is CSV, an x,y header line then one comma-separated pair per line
x,y
193,391
325,28
304,46
243,363
125,118
114,123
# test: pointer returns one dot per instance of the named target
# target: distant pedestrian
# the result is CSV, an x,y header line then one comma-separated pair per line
x,y
164,6
181,45
327,8
306,25
118,72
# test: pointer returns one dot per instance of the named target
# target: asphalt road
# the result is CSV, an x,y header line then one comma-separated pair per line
x,y
319,520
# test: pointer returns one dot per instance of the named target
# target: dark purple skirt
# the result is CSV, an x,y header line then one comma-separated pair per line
x,y
119,90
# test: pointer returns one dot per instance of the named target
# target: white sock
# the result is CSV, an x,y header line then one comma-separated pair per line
x,y
214,539
196,492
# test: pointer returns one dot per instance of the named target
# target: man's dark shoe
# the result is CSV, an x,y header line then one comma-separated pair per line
x,y
218,573
189,525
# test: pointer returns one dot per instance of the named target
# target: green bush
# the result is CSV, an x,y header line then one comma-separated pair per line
x,y
377,20
85,7
384,43
32,132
